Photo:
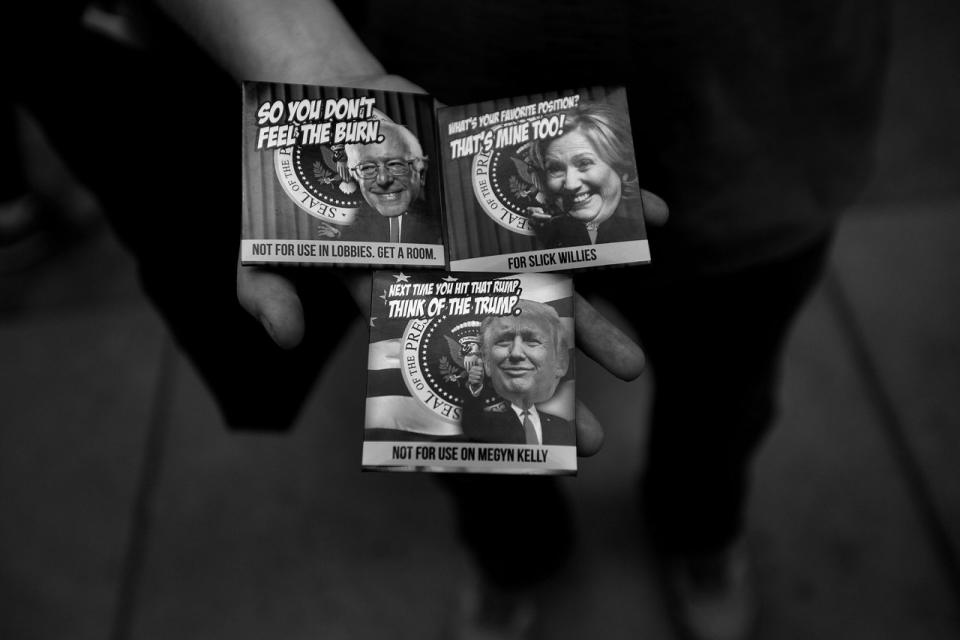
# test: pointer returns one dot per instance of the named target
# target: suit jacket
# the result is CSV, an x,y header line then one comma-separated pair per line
x,y
564,231
499,423
369,226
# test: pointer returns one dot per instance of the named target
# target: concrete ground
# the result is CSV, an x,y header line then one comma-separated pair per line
x,y
129,512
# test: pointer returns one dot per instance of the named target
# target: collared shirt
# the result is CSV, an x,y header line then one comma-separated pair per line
x,y
396,226
534,418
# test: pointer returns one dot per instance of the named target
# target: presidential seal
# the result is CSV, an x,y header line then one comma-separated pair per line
x,y
438,356
505,188
316,178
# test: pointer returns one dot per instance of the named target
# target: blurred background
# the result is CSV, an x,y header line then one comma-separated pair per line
x,y
128,511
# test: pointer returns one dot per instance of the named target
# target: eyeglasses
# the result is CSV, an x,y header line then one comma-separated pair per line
x,y
395,167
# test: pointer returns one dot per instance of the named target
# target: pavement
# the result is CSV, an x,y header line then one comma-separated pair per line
x,y
129,512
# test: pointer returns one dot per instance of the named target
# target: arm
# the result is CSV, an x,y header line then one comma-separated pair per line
x,y
295,41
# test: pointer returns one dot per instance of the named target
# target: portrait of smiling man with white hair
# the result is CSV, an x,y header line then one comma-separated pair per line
x,y
392,176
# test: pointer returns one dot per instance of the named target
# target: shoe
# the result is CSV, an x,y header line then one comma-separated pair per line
x,y
712,596
487,612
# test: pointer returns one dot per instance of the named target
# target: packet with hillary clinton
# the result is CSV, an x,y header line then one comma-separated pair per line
x,y
470,373
544,182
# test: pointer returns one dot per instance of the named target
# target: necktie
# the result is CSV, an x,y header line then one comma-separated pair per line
x,y
394,229
528,431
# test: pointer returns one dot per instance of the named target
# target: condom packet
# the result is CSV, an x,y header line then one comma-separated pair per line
x,y
544,182
471,373
339,176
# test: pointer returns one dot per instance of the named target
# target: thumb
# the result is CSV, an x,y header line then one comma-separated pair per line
x,y
272,299
589,432
655,210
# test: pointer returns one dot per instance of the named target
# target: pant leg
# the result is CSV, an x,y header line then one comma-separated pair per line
x,y
518,529
714,345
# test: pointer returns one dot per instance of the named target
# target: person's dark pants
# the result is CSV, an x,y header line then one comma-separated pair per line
x,y
714,345
518,530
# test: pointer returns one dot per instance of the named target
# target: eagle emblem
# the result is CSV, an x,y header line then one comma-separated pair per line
x,y
465,356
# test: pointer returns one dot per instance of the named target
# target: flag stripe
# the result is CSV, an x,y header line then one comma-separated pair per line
x,y
384,354
386,382
406,414
543,287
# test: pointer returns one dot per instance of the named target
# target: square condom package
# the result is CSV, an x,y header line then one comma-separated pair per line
x,y
471,372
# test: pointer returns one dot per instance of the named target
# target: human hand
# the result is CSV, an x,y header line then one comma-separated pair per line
x,y
272,299
612,349
604,343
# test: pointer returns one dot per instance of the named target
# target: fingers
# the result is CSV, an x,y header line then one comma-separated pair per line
x,y
589,432
655,210
272,299
596,336
604,343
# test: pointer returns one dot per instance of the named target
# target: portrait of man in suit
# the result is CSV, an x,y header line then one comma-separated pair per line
x,y
524,356
392,175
